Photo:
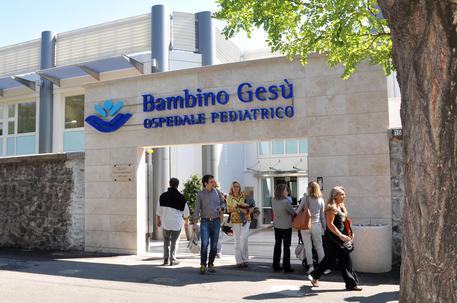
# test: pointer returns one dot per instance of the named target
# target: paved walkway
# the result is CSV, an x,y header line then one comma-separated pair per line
x,y
64,277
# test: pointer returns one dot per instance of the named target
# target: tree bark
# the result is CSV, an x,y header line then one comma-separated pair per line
x,y
424,38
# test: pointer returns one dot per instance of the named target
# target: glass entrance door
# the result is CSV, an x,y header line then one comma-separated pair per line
x,y
292,187
295,184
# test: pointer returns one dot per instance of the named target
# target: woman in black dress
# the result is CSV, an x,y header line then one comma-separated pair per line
x,y
335,236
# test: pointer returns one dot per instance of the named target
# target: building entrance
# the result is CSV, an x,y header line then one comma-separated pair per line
x,y
296,185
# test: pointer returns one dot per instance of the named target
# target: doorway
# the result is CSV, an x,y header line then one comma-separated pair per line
x,y
296,185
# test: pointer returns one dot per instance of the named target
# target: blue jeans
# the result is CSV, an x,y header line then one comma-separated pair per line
x,y
209,235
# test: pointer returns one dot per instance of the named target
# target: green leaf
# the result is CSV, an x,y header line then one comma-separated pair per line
x,y
346,31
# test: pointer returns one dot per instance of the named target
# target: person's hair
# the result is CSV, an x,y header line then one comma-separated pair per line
x,y
206,178
231,187
174,182
314,190
279,191
331,204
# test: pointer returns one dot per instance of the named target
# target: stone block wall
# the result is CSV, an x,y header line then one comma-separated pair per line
x,y
42,202
398,195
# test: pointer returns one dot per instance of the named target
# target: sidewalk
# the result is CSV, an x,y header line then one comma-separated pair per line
x,y
82,277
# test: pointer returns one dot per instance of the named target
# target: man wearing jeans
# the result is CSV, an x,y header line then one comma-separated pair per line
x,y
209,205
170,213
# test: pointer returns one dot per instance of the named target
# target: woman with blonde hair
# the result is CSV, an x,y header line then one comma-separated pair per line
x,y
315,203
336,235
240,216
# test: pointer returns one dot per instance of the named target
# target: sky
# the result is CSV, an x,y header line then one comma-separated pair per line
x,y
24,20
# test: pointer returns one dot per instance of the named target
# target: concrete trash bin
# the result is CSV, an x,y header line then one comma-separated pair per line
x,y
372,248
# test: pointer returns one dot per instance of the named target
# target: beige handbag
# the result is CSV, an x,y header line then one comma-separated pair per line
x,y
303,220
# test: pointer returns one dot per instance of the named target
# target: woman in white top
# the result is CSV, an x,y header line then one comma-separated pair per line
x,y
316,204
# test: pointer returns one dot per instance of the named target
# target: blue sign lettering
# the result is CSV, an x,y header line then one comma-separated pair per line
x,y
246,93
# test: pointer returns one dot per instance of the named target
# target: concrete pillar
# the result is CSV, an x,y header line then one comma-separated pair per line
x,y
46,94
210,160
161,177
207,48
160,49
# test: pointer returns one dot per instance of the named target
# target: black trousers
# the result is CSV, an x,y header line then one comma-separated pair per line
x,y
332,252
282,236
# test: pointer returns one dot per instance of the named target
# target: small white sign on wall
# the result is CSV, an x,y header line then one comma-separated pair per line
x,y
123,172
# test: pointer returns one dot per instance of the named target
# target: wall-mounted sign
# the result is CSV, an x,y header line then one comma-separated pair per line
x,y
246,93
109,119
123,172
320,181
397,132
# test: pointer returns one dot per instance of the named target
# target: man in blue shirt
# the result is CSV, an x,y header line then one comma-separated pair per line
x,y
209,205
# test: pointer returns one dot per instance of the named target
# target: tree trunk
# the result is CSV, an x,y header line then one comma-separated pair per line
x,y
425,54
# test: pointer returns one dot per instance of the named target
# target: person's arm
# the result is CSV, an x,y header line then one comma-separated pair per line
x,y
230,205
196,209
186,214
159,213
301,205
322,213
251,203
222,203
290,209
330,216
344,209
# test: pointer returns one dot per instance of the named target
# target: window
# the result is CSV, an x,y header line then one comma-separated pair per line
x,y
74,111
18,129
26,120
303,146
264,148
291,147
283,147
73,136
277,147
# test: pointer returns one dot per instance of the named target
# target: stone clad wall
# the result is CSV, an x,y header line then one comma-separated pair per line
x,y
345,123
42,202
398,196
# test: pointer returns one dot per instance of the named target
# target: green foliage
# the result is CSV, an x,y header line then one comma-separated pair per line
x,y
347,31
191,188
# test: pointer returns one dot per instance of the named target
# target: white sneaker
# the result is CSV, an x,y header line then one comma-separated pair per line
x,y
327,271
310,270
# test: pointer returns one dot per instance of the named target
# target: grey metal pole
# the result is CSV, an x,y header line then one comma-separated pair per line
x,y
207,48
45,131
206,38
160,49
160,37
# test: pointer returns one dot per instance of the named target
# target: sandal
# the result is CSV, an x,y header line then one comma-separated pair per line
x,y
313,281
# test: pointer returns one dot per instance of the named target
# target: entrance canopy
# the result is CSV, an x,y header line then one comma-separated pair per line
x,y
140,62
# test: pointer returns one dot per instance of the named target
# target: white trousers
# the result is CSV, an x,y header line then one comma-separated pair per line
x,y
314,234
241,234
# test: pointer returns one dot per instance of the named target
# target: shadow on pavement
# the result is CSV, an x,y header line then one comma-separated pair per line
x,y
382,297
94,266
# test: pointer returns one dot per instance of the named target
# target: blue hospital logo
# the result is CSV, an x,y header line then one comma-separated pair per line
x,y
108,110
